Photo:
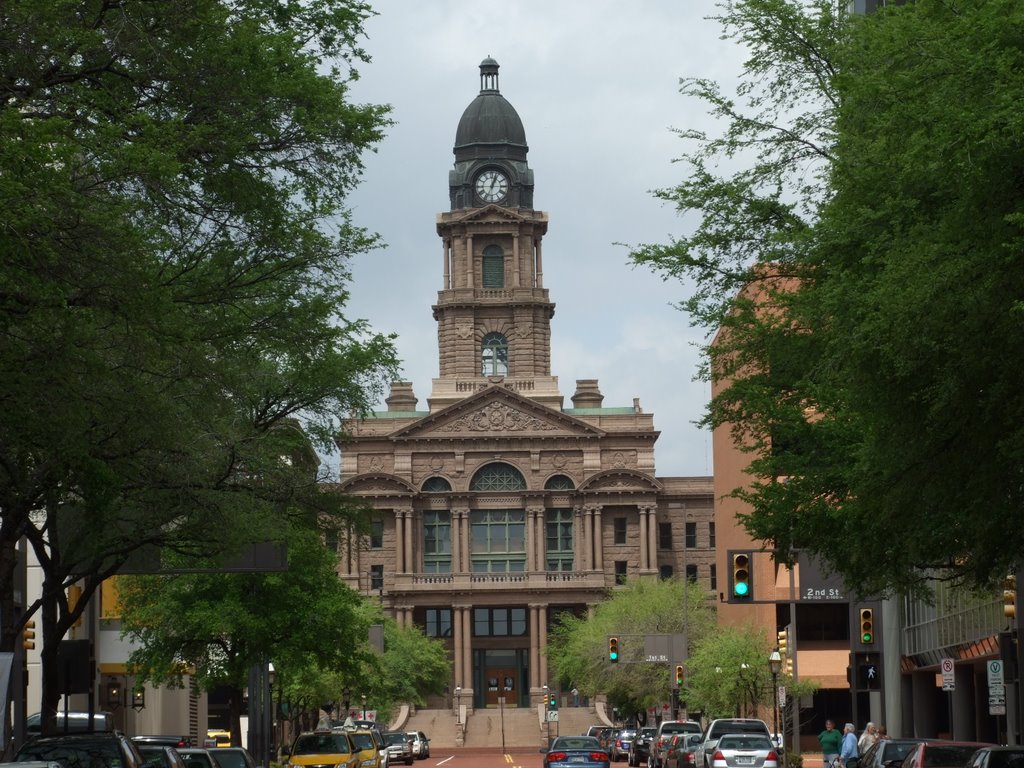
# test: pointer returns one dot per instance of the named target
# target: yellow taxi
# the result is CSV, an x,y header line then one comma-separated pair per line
x,y
331,749
369,746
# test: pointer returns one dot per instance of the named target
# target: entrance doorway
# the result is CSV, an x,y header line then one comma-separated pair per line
x,y
501,673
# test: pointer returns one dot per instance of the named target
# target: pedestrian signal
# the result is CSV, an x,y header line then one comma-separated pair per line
x,y
867,626
613,650
741,575
680,676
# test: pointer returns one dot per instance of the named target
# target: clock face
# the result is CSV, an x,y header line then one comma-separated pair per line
x,y
491,186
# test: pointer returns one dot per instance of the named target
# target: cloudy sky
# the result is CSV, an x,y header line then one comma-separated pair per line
x,y
596,83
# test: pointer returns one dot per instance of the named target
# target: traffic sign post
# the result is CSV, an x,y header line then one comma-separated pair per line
x,y
948,667
996,688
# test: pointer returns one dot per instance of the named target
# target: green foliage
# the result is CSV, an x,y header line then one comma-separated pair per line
x,y
858,251
578,646
175,245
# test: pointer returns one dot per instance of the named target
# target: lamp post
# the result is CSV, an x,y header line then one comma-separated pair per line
x,y
458,705
364,706
775,665
346,694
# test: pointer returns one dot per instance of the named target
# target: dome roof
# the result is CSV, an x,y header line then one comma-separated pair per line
x,y
490,119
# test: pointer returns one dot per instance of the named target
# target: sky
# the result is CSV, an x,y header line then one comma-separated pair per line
x,y
596,84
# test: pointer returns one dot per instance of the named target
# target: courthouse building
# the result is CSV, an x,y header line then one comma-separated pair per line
x,y
500,506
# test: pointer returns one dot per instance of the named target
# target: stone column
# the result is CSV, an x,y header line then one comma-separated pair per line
x,y
456,518
652,537
400,541
457,645
409,529
588,538
598,541
644,552
535,681
469,261
542,630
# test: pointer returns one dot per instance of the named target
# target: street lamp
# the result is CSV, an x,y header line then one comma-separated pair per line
x,y
775,665
346,694
364,706
458,705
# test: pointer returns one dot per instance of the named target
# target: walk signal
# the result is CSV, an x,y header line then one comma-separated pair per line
x,y
1010,597
867,626
741,575
28,635
680,676
613,650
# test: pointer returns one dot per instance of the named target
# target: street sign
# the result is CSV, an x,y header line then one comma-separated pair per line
x,y
948,675
995,672
553,716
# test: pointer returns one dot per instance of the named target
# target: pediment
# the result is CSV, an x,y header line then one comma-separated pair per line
x,y
620,481
495,411
377,484
490,213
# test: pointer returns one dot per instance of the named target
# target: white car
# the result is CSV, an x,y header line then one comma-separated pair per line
x,y
420,744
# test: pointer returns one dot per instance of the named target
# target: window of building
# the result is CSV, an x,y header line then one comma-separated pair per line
x,y
619,530
439,622
664,535
437,541
376,577
713,575
499,622
376,534
494,355
558,527
436,485
691,535
691,574
711,535
559,483
665,572
498,477
620,571
498,540
494,267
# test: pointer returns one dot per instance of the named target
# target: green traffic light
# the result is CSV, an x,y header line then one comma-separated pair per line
x,y
867,637
741,588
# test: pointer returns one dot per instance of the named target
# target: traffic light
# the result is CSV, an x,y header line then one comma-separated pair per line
x,y
1010,597
784,642
741,575
552,701
789,666
28,635
867,626
680,676
613,650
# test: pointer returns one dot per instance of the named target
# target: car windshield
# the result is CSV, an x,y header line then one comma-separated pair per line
x,y
943,756
1006,758
321,743
730,741
396,738
362,741
101,753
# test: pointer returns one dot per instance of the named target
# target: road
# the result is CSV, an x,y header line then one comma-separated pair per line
x,y
483,757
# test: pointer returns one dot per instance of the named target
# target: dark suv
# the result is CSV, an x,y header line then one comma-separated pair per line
x,y
640,747
83,750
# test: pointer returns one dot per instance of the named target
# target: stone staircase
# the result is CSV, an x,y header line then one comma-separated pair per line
x,y
515,726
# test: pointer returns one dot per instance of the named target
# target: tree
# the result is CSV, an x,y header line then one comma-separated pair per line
x,y
861,269
578,647
219,625
175,242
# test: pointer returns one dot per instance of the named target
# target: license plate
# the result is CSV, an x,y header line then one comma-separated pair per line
x,y
740,760
577,759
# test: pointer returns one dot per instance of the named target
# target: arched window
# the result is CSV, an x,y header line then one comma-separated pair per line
x,y
559,483
498,477
436,485
494,355
494,267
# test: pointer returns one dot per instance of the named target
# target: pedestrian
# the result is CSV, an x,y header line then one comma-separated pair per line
x,y
831,741
848,751
869,737
575,696
881,733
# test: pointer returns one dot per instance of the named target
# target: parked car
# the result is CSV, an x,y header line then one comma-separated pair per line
x,y
663,738
744,750
718,728
601,733
575,752
76,722
618,748
887,753
233,757
420,744
942,754
332,747
160,756
162,741
83,750
197,757
640,747
681,750
217,738
998,757
399,747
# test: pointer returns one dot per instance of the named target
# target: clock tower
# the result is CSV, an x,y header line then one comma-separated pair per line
x,y
493,313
